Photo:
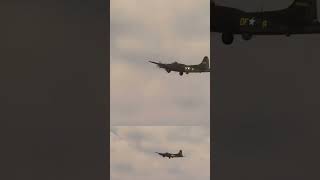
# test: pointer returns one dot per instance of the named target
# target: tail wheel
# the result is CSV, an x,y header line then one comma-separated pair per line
x,y
181,73
227,38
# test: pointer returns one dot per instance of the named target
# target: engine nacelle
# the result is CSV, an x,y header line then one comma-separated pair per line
x,y
227,38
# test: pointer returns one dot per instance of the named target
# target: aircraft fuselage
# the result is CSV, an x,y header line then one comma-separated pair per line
x,y
185,68
273,22
299,18
182,68
169,155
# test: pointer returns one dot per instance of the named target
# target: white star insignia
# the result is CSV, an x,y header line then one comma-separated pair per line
x,y
252,21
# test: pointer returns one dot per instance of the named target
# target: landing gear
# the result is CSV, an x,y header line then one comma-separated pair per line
x,y
227,38
187,72
246,36
181,73
168,70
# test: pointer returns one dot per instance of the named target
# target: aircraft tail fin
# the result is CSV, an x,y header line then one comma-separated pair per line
x,y
180,153
308,6
205,62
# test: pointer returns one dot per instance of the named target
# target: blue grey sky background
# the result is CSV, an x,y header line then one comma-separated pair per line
x,y
132,152
166,31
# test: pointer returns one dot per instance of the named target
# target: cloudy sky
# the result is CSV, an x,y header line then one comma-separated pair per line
x,y
166,31
132,152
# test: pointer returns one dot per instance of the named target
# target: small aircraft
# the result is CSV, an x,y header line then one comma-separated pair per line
x,y
299,18
169,155
182,68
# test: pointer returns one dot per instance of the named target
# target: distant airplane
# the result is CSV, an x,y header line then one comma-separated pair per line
x,y
182,68
299,18
169,155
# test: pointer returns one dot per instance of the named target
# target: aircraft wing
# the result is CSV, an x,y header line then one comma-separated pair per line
x,y
160,154
160,65
156,63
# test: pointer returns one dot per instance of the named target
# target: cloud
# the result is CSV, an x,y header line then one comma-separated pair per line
x,y
142,94
132,152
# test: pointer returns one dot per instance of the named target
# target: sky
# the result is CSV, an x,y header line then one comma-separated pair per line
x,y
266,105
166,31
132,152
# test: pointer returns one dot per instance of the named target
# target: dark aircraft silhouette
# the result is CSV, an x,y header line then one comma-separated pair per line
x,y
169,155
299,18
182,68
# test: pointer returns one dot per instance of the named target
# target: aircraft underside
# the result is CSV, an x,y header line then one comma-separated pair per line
x,y
180,72
247,34
182,68
186,72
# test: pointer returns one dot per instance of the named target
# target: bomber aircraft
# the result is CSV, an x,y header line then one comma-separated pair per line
x,y
182,68
170,155
299,18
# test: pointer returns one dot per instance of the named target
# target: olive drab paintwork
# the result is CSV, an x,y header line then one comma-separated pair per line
x,y
245,21
204,66
171,155
299,18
